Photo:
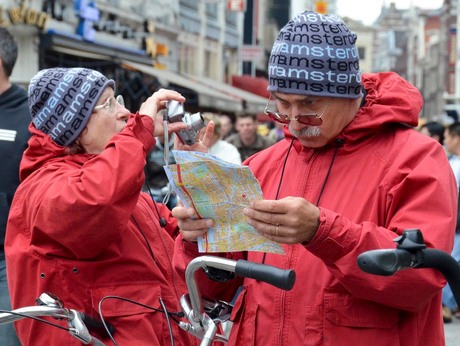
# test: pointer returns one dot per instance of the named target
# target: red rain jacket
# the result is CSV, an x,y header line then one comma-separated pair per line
x,y
386,177
80,228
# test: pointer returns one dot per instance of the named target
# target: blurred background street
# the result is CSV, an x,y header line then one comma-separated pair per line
x,y
452,332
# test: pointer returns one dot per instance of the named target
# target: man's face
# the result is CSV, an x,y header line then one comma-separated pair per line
x,y
451,143
247,128
104,123
336,113
225,125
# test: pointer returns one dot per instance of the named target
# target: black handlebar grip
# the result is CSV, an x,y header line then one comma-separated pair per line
x,y
384,262
280,278
95,325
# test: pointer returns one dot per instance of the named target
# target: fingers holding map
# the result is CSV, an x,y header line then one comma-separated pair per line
x,y
220,191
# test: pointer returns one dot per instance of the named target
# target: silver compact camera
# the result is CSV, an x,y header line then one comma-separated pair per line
x,y
195,122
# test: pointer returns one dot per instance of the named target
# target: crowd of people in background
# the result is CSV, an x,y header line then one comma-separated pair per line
x,y
448,135
235,138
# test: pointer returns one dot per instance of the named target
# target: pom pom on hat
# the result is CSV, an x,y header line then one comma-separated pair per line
x,y
315,54
61,101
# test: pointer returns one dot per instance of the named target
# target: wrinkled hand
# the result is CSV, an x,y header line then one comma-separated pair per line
x,y
290,220
155,103
190,226
201,145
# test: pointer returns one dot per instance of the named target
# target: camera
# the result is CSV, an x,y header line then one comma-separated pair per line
x,y
195,122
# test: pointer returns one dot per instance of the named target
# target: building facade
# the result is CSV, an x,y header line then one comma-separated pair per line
x,y
143,45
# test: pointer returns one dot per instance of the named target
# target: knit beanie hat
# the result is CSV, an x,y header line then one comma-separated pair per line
x,y
315,54
61,101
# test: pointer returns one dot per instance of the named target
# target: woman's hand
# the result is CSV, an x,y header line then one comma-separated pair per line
x,y
157,102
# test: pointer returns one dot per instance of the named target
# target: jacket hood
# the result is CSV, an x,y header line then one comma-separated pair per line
x,y
42,149
390,99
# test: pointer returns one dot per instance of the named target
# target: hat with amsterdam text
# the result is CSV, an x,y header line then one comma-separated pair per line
x,y
315,54
61,100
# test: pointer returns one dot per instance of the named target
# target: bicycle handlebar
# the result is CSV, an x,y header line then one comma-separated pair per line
x,y
79,323
387,262
280,278
202,325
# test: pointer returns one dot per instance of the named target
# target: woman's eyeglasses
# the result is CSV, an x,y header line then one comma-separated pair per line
x,y
111,104
311,119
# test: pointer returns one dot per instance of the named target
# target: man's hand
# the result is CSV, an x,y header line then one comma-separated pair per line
x,y
201,145
290,220
190,226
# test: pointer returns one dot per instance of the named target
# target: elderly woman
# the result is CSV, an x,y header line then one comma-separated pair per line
x,y
79,225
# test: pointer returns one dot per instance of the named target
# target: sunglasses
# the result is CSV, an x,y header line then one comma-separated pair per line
x,y
310,119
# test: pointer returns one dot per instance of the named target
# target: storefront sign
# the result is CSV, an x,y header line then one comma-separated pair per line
x,y
87,15
22,15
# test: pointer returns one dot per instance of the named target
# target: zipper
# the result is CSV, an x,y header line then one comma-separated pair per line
x,y
288,262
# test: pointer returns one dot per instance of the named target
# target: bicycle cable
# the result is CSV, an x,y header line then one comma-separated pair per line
x,y
37,319
169,314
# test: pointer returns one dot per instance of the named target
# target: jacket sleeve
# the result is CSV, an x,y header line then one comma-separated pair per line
x,y
86,207
421,195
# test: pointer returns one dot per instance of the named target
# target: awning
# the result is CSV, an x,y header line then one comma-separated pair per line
x,y
208,97
252,103
256,85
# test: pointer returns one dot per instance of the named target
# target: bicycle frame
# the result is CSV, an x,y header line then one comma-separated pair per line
x,y
204,315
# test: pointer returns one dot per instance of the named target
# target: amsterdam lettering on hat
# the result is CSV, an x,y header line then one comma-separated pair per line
x,y
61,100
315,54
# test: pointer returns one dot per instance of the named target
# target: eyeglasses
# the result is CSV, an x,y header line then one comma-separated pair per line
x,y
111,104
312,119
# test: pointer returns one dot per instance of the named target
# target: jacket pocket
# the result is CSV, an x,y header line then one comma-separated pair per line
x,y
349,320
245,313
144,293
134,324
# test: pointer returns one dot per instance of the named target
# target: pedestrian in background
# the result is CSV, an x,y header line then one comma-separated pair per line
x,y
434,130
79,225
247,140
14,133
227,126
350,176
156,181
218,147
452,144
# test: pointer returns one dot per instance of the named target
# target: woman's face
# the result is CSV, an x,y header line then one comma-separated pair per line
x,y
105,121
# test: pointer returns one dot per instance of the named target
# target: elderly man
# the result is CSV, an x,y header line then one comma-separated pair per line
x,y
351,174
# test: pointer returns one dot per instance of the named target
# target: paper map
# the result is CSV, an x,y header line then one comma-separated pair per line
x,y
219,190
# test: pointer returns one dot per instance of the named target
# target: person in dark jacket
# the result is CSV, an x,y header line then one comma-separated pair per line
x,y
246,139
14,123
79,225
434,130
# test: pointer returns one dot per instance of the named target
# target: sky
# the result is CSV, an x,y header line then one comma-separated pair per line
x,y
367,11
